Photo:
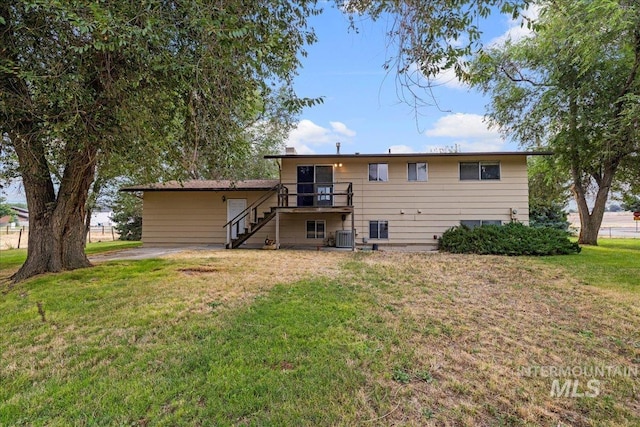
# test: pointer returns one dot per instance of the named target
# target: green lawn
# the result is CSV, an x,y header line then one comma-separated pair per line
x,y
614,264
315,338
13,259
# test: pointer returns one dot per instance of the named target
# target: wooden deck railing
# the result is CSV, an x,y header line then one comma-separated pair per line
x,y
325,194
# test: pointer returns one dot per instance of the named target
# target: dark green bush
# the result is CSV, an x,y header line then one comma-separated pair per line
x,y
127,214
548,215
509,239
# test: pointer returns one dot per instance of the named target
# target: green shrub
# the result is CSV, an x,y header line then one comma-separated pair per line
x,y
127,214
509,239
548,215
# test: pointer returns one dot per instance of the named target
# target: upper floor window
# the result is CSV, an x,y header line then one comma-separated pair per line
x,y
474,171
417,171
378,172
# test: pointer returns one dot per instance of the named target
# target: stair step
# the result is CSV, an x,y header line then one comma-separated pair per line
x,y
254,226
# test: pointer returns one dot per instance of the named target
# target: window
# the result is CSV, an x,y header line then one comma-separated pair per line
x,y
474,171
473,223
378,172
417,171
378,229
315,229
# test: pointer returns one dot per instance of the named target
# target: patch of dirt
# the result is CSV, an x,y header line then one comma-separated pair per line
x,y
237,277
199,270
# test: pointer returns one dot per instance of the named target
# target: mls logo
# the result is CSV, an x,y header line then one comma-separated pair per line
x,y
571,388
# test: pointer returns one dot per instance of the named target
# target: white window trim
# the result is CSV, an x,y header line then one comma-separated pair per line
x,y
426,171
315,221
379,221
480,163
482,221
378,173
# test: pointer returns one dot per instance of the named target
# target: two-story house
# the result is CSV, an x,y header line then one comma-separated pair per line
x,y
349,199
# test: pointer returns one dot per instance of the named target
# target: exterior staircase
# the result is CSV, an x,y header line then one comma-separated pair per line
x,y
252,229
252,222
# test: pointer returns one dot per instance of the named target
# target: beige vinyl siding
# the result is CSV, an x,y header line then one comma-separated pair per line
x,y
444,200
195,217
293,227
430,207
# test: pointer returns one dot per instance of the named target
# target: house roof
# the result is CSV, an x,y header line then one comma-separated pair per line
x,y
421,155
203,185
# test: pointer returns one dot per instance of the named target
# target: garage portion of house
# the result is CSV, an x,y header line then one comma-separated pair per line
x,y
195,212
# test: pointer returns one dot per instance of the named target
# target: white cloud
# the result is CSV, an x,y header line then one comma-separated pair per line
x,y
461,125
446,78
307,135
468,132
342,129
449,79
399,149
517,28
466,146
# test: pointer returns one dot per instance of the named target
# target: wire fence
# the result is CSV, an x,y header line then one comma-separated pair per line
x,y
18,237
620,232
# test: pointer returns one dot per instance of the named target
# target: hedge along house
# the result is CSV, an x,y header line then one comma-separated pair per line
x,y
346,199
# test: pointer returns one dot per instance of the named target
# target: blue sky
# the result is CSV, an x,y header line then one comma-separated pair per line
x,y
361,106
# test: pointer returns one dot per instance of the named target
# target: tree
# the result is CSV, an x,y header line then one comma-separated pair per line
x,y
127,214
631,203
82,82
573,88
5,209
548,193
428,37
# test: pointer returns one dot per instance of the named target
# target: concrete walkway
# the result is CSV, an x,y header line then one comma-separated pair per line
x,y
148,252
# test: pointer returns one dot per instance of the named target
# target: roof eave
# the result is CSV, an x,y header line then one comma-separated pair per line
x,y
392,155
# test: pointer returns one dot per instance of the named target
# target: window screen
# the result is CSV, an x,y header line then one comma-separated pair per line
x,y
417,171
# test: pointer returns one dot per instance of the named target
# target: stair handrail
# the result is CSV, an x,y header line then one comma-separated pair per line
x,y
255,204
251,208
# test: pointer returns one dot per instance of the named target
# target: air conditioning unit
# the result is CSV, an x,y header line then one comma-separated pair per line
x,y
344,238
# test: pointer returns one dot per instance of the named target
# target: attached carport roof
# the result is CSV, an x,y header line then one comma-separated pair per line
x,y
206,185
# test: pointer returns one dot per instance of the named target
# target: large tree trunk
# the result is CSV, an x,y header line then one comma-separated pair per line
x,y
590,221
56,224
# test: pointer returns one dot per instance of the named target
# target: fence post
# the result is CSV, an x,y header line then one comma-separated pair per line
x,y
19,238
113,237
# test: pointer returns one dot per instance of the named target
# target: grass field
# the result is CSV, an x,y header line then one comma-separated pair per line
x,y
614,264
322,338
12,259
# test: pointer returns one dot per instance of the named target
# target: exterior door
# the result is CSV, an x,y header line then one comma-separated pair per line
x,y
306,177
315,179
324,186
235,208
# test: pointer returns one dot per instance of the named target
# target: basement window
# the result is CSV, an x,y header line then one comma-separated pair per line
x,y
315,229
473,223
378,229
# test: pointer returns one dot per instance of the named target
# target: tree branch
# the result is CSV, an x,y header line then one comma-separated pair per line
x,y
521,78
